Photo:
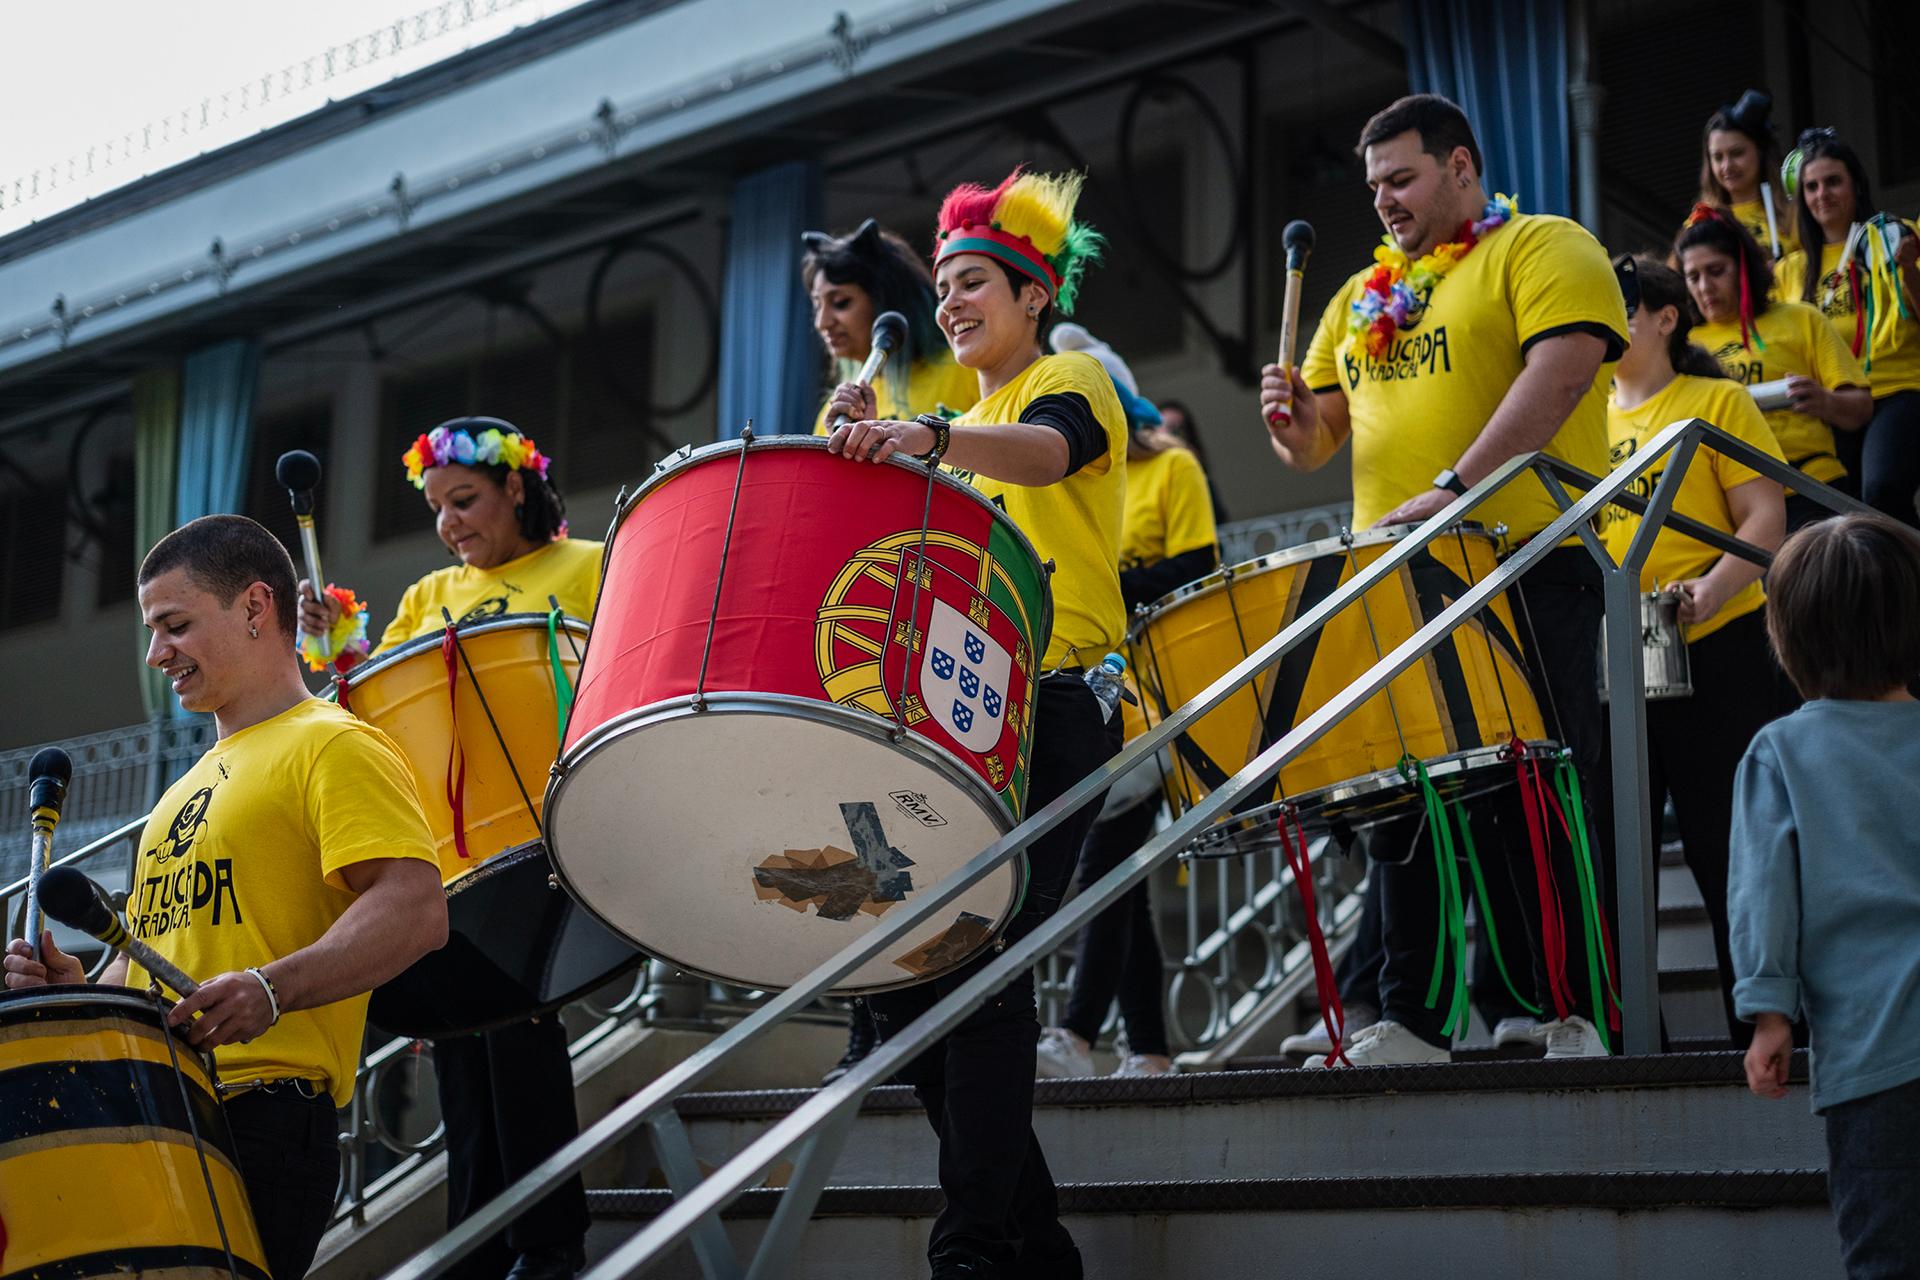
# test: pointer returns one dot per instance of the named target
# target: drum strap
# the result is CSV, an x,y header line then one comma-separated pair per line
x,y
1486,907
456,757
1566,780
1293,844
1553,927
1452,934
562,687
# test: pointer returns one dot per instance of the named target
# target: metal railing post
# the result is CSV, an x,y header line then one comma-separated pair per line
x,y
711,1248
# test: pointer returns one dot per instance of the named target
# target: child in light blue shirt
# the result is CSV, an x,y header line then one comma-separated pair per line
x,y
1824,888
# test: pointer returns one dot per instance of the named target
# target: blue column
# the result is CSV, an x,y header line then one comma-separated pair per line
x,y
1505,63
769,358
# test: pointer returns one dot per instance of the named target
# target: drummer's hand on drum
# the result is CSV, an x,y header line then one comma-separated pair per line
x,y
1700,598
1416,509
53,966
233,1008
317,616
878,441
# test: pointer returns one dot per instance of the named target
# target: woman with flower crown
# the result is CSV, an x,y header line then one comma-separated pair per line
x,y
1479,334
506,1095
1047,442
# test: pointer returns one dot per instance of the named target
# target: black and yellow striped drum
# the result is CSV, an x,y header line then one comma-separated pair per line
x,y
1459,708
115,1157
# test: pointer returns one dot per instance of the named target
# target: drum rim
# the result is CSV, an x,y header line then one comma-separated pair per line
x,y
1287,556
690,455
829,713
435,638
117,999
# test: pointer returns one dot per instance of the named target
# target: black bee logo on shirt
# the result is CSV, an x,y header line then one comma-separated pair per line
x,y
189,825
492,607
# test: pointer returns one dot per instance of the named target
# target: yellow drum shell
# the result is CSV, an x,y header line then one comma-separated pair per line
x,y
404,694
99,1171
1470,691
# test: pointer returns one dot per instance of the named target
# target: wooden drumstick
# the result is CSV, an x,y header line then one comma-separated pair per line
x,y
1297,238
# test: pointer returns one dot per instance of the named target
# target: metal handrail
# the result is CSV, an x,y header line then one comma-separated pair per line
x,y
820,1125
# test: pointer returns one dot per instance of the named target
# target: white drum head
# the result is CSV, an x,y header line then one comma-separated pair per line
x,y
752,841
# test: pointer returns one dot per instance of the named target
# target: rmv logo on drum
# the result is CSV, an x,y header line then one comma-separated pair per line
x,y
914,805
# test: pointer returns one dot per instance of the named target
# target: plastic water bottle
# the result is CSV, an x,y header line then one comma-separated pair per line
x,y
1104,680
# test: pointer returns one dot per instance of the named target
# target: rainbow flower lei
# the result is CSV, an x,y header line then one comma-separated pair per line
x,y
349,633
1395,292
491,448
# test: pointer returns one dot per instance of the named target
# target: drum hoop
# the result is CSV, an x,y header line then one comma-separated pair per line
x,y
1217,580
432,640
117,1000
493,865
736,703
688,456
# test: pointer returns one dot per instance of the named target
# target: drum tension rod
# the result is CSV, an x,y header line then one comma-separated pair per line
x,y
498,737
720,578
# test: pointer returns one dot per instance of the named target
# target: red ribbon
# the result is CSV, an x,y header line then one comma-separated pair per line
x,y
1331,1014
456,780
1606,933
1553,928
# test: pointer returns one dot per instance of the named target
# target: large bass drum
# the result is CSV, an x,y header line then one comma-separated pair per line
x,y
808,694
478,715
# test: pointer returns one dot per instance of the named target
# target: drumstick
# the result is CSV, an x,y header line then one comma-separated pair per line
x,y
1773,228
79,903
1298,240
48,775
889,330
299,471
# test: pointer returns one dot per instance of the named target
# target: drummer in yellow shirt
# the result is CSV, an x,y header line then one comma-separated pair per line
x,y
1047,442
1508,352
1759,341
506,1095
290,870
851,280
1694,744
1866,279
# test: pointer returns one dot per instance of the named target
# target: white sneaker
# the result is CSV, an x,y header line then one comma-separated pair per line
x,y
1314,1039
1386,1044
1521,1030
1139,1064
1060,1056
1574,1038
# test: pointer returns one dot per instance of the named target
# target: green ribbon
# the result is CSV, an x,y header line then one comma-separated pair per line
x,y
1453,911
1486,909
1566,781
562,687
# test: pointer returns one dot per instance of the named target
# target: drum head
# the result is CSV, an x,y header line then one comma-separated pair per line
x,y
794,827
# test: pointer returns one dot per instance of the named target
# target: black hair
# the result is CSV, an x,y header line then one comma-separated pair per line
x,y
1018,280
1825,144
1661,286
1439,121
1751,118
1723,234
542,510
224,555
887,268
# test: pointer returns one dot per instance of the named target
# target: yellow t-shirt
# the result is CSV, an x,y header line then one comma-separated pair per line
x,y
932,386
1794,338
1169,512
1703,493
240,866
1076,522
1415,411
567,569
1752,215
1892,362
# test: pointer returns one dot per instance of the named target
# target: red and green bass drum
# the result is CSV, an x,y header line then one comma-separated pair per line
x,y
807,693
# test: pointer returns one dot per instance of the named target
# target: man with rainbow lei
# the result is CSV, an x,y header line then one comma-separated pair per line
x,y
1479,334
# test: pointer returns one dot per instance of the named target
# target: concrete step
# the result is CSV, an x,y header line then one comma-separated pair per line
x,y
1762,1224
1596,1115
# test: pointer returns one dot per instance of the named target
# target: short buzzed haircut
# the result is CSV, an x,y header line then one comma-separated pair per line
x,y
1439,121
224,555
1843,607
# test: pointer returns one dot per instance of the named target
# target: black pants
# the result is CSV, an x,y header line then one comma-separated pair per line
x,y
1558,607
976,1083
1694,746
1119,951
1873,1181
1885,455
507,1098
288,1145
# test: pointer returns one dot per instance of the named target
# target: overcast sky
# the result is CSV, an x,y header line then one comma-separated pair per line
x,y
83,74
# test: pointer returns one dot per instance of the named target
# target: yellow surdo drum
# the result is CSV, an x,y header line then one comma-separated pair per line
x,y
479,716
1458,708
115,1157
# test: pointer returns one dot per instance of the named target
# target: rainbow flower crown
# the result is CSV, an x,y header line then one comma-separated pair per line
x,y
491,447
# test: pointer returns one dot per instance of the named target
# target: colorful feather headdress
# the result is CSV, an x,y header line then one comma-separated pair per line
x,y
1027,223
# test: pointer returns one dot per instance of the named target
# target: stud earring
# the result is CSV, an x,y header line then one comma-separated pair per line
x,y
254,632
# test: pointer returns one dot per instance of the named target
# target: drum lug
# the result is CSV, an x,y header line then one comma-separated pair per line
x,y
553,881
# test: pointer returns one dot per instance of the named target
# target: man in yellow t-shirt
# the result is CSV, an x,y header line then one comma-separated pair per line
x,y
1505,354
290,871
